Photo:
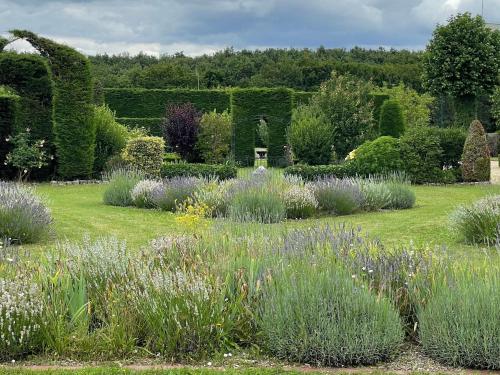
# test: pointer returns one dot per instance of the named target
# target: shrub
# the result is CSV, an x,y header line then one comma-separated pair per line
x,y
257,199
451,141
180,129
401,196
310,136
21,311
416,107
146,154
121,182
460,326
318,315
421,155
391,119
476,156
478,222
23,216
111,137
340,196
221,172
495,105
311,173
174,192
346,103
142,193
376,195
377,157
300,202
214,138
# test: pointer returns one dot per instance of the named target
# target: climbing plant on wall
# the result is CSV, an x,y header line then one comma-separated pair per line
x,y
74,129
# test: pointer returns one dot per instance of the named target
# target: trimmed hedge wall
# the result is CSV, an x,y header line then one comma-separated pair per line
x,y
149,103
152,124
313,172
250,105
9,110
29,75
222,172
74,128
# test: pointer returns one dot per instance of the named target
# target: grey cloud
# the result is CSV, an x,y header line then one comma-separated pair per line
x,y
202,26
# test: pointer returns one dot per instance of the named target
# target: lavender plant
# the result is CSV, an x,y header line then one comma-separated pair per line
x,y
175,191
121,181
339,196
142,193
23,216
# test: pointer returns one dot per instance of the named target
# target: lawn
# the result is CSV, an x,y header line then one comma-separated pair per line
x,y
78,211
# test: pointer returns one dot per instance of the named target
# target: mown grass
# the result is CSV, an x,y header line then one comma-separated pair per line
x,y
78,210
177,371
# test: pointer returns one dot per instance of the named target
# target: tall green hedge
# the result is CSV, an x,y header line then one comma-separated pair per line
x,y
29,75
144,103
9,110
151,124
248,106
74,129
378,100
460,112
391,121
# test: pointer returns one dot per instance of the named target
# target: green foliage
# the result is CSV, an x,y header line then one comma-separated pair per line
x,y
338,196
460,325
214,137
316,314
74,129
378,99
451,141
421,154
120,184
478,223
401,196
27,154
260,203
222,172
346,104
495,106
313,172
111,137
141,103
9,108
310,136
377,157
460,112
476,156
301,98
462,57
391,121
145,154
152,126
30,77
248,106
416,107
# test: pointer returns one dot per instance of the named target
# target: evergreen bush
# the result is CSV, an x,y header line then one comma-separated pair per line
x,y
476,155
181,128
145,154
377,157
391,119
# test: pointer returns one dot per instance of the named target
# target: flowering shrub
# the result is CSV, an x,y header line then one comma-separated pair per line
x,y
142,193
479,222
21,309
121,182
174,192
299,202
145,154
23,216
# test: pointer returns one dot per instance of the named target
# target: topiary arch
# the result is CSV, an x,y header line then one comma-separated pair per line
x,y
248,106
74,129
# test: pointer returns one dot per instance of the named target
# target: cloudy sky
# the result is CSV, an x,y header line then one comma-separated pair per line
x,y
204,26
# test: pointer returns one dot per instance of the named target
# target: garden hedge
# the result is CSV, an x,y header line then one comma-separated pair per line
x,y
9,109
74,129
460,112
221,171
152,124
248,106
301,97
378,100
29,75
391,121
151,103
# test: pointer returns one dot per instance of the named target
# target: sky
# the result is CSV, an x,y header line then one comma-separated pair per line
x,y
196,27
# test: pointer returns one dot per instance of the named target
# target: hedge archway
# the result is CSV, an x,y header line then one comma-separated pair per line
x,y
74,129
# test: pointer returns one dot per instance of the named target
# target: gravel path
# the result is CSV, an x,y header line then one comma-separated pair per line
x,y
495,172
